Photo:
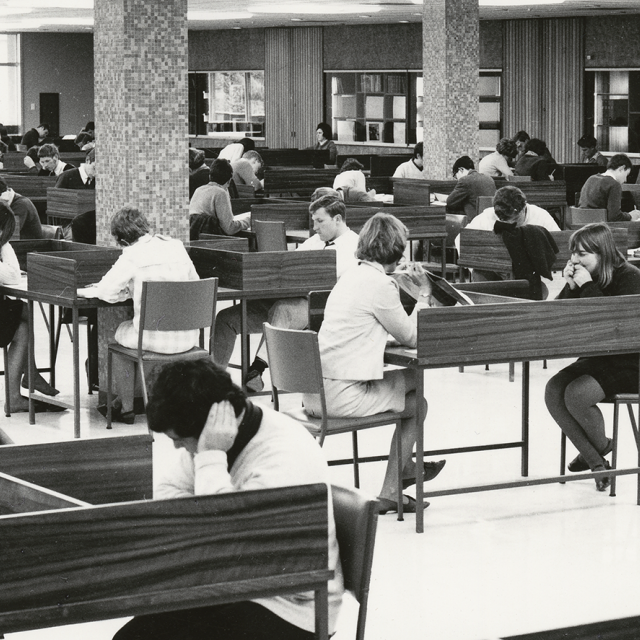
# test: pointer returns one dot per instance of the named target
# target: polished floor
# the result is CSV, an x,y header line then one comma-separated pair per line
x,y
489,564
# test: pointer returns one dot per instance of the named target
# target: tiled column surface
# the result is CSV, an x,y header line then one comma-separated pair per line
x,y
141,112
450,43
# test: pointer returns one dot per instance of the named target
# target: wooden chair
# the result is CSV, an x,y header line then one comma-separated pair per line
x,y
617,400
168,306
294,360
579,217
270,236
356,517
454,223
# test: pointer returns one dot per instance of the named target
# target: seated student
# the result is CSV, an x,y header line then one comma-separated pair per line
x,y
471,184
496,164
512,203
350,175
596,268
412,169
331,233
28,225
604,190
246,169
198,170
590,154
85,140
535,161
210,207
6,138
145,256
14,325
362,310
226,444
35,136
324,142
81,178
236,150
31,160
520,139
49,158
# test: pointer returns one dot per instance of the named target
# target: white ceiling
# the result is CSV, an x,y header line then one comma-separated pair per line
x,y
77,15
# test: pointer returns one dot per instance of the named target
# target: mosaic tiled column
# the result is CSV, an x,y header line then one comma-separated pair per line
x,y
450,63
141,112
141,116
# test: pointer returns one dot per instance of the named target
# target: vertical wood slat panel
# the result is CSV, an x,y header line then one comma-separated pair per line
x,y
522,87
562,86
278,95
306,53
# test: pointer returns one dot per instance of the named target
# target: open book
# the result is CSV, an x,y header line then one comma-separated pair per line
x,y
419,283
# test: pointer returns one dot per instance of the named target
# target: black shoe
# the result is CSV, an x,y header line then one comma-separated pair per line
x,y
603,482
253,381
578,464
431,470
117,415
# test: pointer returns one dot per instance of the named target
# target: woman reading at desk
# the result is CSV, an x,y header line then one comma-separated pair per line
x,y
14,326
363,309
145,256
596,268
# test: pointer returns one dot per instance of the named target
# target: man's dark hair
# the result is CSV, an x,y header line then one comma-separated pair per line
x,y
247,144
619,160
221,171
521,136
183,394
351,164
3,185
507,147
418,150
539,147
508,202
464,162
333,205
48,151
45,125
587,141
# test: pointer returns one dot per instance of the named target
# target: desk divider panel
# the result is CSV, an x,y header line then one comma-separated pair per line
x,y
411,191
295,215
96,470
29,185
633,231
269,270
486,250
419,220
212,241
489,333
68,203
302,181
19,496
62,273
73,565
23,247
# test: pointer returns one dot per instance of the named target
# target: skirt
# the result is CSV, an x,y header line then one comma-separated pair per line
x,y
615,374
10,317
359,398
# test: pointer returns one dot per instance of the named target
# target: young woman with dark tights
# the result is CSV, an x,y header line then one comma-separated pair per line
x,y
596,268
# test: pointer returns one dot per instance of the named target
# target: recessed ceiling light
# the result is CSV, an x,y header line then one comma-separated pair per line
x,y
364,16
403,21
299,7
296,19
218,15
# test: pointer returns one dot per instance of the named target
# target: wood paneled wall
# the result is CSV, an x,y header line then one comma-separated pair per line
x,y
293,86
543,82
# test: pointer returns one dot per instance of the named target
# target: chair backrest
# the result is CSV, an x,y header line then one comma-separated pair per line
x,y
356,517
270,236
454,223
294,360
177,306
52,232
317,303
580,217
482,203
519,178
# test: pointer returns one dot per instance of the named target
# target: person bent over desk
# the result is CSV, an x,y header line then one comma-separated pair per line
x,y
224,443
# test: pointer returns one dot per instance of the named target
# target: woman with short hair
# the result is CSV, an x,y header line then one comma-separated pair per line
x,y
496,164
362,310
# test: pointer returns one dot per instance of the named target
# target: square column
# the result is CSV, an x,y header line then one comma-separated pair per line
x,y
141,113
450,41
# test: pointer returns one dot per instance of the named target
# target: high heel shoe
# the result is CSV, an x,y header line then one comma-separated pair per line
x,y
603,482
431,470
580,464
390,506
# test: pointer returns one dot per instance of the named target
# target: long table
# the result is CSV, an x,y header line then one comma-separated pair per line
x,y
66,561
520,332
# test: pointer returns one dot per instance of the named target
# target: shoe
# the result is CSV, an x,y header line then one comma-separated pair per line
x,y
603,482
253,381
390,506
580,464
128,417
431,470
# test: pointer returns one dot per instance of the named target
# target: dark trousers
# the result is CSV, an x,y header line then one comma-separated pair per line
x,y
235,621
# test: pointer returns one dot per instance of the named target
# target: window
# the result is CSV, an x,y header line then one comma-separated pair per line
x,y
612,109
387,107
227,104
10,82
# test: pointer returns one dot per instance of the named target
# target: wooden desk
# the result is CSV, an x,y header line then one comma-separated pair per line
x,y
63,205
31,186
461,336
301,181
65,561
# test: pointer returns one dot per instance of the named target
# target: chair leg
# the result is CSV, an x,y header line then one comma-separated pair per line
x,y
636,437
614,451
356,466
399,497
109,382
563,453
7,411
512,371
144,384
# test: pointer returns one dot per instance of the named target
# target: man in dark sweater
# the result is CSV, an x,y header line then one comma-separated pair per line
x,y
28,226
81,178
471,184
35,136
604,190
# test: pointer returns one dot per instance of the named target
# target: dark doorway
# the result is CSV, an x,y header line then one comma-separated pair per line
x,y
50,112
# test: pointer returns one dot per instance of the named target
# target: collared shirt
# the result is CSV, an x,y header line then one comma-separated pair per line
x,y
344,245
83,173
410,171
150,258
8,196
